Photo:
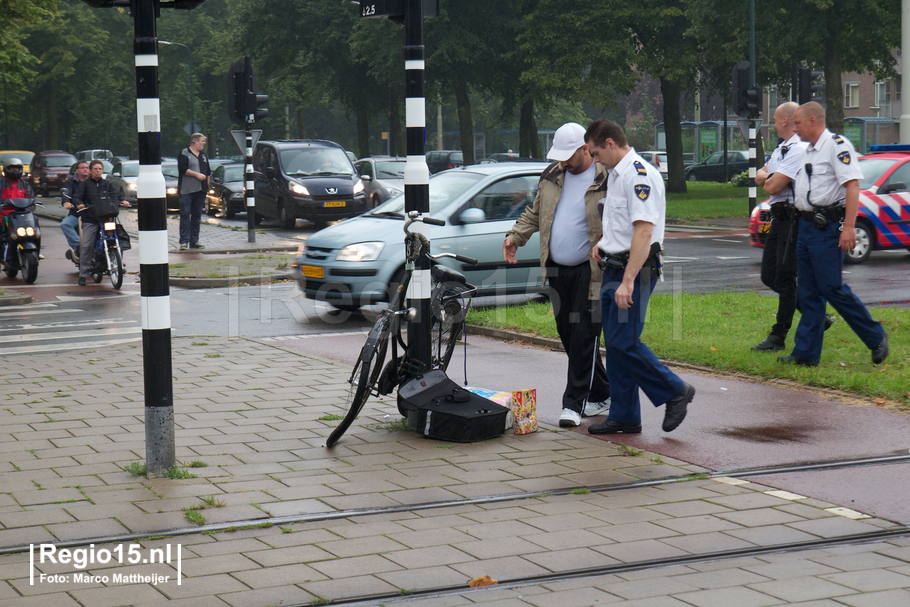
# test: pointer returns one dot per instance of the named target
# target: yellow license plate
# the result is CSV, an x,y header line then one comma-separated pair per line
x,y
313,271
333,203
764,228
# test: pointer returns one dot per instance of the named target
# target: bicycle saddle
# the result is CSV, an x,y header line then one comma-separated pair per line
x,y
446,274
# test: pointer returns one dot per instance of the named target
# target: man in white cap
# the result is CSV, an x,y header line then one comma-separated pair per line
x,y
565,212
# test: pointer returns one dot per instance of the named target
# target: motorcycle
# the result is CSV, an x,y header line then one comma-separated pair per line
x,y
107,259
21,239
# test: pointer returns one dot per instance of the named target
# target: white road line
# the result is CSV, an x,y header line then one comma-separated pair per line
x,y
289,337
51,327
733,241
38,312
88,345
69,335
728,258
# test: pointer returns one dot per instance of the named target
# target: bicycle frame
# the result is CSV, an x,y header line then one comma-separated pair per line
x,y
371,374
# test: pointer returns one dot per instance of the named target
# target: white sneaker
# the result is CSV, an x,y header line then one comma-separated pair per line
x,y
569,418
593,409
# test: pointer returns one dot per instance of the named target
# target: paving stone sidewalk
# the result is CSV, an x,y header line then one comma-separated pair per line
x,y
253,417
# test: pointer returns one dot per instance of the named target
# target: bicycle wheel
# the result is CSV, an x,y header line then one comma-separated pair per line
x,y
364,376
116,268
446,328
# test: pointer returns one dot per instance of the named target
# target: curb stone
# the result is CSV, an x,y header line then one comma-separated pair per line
x,y
14,298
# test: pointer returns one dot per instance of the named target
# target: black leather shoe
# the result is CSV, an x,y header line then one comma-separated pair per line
x,y
828,322
82,281
792,360
613,427
880,352
772,343
675,411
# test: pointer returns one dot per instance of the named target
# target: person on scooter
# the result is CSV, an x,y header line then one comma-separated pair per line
x,y
70,223
12,185
91,193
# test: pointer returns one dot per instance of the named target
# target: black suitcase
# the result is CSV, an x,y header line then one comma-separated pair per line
x,y
439,408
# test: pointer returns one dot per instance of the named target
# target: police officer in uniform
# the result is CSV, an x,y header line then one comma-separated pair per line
x,y
827,199
633,230
778,262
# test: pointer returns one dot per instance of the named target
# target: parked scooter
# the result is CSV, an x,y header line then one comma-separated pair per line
x,y
106,252
21,243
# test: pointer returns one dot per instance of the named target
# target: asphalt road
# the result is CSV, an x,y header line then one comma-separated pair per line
x,y
66,316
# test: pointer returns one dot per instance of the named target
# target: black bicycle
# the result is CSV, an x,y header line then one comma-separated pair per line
x,y
450,301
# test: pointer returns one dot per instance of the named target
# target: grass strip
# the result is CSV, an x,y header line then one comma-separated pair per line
x,y
234,265
717,330
709,200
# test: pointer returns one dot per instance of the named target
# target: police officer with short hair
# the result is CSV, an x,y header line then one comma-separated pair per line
x,y
827,199
778,261
633,230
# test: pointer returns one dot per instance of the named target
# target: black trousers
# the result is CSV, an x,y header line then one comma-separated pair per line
x,y
778,272
579,327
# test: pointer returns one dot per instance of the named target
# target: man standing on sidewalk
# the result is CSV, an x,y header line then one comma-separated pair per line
x,y
192,184
827,199
778,261
565,212
633,227
70,223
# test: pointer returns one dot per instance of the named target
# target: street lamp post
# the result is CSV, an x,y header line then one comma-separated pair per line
x,y
192,97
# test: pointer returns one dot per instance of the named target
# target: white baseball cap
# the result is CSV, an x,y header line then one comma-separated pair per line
x,y
568,138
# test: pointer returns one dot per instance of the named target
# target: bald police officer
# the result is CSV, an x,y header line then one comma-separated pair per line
x,y
827,199
778,261
633,231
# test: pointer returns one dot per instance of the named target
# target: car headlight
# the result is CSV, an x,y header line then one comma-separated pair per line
x,y
393,191
358,187
133,186
361,251
755,212
238,195
299,189
172,190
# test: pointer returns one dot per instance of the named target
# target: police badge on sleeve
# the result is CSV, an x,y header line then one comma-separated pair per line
x,y
844,157
642,191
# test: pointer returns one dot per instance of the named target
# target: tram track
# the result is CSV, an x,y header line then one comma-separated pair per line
x,y
532,580
494,499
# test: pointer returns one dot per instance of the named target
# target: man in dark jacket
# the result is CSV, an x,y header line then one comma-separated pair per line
x,y
192,184
70,223
94,197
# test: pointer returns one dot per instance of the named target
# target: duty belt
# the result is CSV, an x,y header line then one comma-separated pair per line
x,y
835,213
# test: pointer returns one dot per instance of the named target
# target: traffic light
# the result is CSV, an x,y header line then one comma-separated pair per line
x,y
753,102
253,102
811,87
741,88
237,94
243,100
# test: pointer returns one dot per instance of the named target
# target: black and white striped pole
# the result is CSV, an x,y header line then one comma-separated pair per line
x,y
416,172
153,262
153,250
417,175
248,186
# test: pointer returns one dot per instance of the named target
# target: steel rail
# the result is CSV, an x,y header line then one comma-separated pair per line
x,y
357,512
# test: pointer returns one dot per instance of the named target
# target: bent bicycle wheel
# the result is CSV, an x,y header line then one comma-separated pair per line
x,y
364,377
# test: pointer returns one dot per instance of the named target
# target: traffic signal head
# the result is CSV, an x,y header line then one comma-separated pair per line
x,y
253,102
753,102
811,88
243,100
740,88
236,91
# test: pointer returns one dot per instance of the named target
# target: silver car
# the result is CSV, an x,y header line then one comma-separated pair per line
x,y
383,177
359,261
124,177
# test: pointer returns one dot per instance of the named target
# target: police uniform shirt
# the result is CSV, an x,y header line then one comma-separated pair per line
x,y
786,163
833,160
635,192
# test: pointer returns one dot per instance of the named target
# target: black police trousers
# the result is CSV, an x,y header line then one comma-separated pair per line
x,y
778,271
579,327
